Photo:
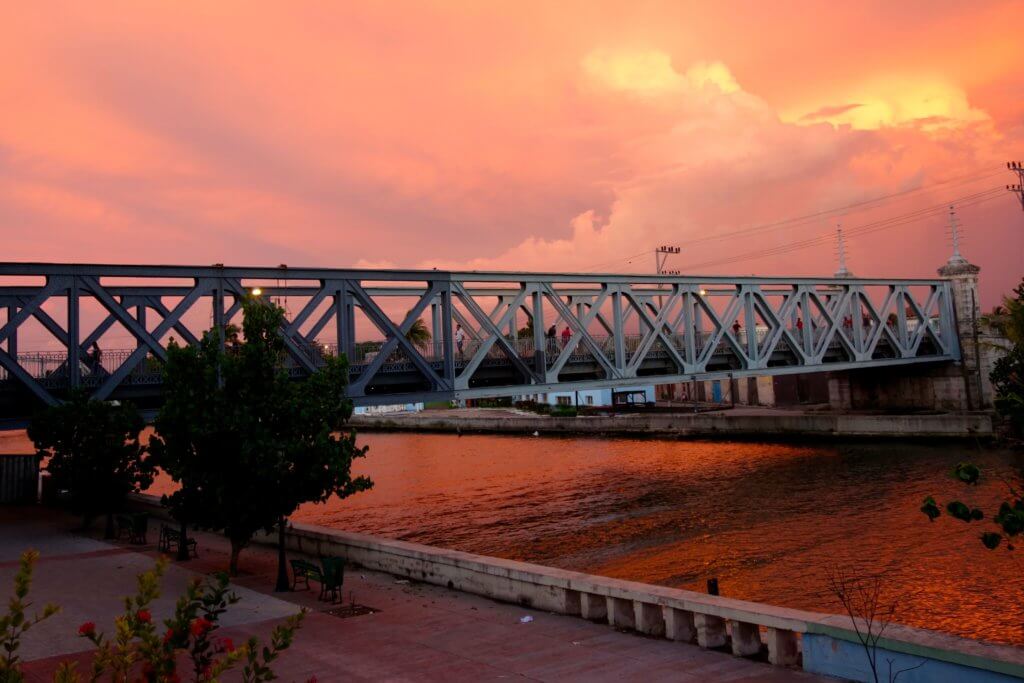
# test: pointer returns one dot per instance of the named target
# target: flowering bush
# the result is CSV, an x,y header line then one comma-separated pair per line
x,y
16,622
140,651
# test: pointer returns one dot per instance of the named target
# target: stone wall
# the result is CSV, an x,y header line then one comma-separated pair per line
x,y
904,388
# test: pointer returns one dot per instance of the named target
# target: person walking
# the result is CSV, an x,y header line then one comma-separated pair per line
x,y
95,358
566,334
460,338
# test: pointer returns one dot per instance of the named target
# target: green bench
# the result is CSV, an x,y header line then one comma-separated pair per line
x,y
330,574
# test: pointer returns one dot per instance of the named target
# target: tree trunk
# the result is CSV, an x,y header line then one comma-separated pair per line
x,y
183,542
109,532
282,570
236,548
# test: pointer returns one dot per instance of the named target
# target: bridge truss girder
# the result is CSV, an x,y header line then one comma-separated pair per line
x,y
622,329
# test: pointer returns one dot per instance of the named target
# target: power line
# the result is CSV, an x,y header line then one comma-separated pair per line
x,y
792,222
865,229
830,212
860,230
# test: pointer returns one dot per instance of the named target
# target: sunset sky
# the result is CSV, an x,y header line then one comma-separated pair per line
x,y
557,136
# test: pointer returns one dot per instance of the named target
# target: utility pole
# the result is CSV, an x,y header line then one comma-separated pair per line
x,y
1017,188
661,255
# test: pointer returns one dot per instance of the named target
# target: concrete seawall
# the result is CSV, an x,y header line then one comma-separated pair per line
x,y
819,643
717,424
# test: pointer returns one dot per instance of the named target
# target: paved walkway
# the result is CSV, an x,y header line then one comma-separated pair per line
x,y
418,633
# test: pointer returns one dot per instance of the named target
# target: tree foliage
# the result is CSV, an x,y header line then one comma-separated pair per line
x,y
1006,524
418,334
247,444
94,452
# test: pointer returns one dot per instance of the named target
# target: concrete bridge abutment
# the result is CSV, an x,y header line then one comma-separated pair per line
x,y
958,386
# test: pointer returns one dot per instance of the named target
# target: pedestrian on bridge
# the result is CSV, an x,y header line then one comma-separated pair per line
x,y
566,334
95,356
460,338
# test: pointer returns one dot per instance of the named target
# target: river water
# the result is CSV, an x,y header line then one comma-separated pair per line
x,y
768,520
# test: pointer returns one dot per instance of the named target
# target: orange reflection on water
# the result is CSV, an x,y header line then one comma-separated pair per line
x,y
767,520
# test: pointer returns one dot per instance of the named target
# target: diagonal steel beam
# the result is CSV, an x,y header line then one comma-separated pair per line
x,y
202,288
495,335
656,331
581,333
53,284
93,286
161,309
26,379
396,337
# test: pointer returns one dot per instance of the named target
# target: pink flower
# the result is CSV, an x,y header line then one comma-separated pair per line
x,y
87,629
169,636
144,616
227,645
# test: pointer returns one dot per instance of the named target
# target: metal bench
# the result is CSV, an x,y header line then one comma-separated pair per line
x,y
330,574
170,541
135,525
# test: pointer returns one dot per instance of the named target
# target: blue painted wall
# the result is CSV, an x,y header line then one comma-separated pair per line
x,y
842,659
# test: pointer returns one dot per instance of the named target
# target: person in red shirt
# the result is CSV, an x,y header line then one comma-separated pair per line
x,y
565,335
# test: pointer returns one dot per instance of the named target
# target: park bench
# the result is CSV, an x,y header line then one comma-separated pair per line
x,y
330,575
135,525
170,541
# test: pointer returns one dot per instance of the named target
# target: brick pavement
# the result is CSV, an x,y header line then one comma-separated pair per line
x,y
418,633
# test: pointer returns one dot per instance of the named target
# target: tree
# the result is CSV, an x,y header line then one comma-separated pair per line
x,y
189,430
1008,318
418,334
869,615
94,452
247,443
1007,376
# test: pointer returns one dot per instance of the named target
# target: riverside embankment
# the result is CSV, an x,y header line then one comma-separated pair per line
x,y
740,422
817,643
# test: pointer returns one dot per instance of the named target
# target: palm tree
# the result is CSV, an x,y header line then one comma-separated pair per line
x,y
418,334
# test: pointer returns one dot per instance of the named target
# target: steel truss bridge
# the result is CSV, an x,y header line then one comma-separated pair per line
x,y
622,329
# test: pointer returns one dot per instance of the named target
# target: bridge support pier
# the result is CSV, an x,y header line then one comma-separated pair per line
x,y
899,388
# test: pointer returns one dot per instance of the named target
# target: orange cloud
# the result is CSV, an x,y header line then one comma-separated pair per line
x,y
552,136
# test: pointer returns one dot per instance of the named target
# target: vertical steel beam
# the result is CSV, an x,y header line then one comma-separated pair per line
x,y
540,349
750,325
436,330
140,315
618,331
807,336
218,311
449,338
12,341
689,331
901,321
344,322
74,335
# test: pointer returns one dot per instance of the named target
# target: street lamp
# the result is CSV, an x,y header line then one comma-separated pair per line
x,y
256,291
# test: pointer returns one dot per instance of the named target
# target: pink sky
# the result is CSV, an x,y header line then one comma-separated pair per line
x,y
517,136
